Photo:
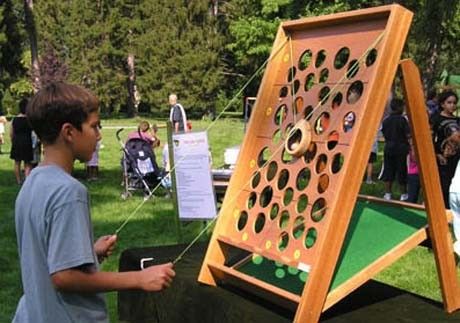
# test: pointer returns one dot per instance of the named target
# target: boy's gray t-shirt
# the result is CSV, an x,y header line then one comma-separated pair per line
x,y
54,233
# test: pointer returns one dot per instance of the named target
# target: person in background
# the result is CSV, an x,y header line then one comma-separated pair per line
x,y
413,178
92,166
21,143
396,132
432,103
370,163
177,115
36,149
3,123
445,127
146,132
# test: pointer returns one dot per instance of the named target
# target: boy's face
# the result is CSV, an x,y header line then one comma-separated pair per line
x,y
87,138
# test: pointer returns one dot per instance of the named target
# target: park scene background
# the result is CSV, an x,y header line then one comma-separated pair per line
x,y
133,53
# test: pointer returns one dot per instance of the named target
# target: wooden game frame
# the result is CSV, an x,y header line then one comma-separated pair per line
x,y
315,297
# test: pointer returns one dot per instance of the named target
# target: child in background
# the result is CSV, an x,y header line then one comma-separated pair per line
x,y
146,132
59,260
92,166
395,129
413,178
3,122
370,163
36,149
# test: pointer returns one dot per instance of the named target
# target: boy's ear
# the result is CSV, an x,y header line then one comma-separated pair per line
x,y
67,132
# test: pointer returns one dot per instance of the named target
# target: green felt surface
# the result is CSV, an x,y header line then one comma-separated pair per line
x,y
373,231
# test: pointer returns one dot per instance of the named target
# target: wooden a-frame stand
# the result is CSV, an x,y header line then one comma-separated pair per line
x,y
341,191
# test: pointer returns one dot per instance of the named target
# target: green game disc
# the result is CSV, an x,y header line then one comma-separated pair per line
x,y
278,264
280,273
257,259
303,276
293,270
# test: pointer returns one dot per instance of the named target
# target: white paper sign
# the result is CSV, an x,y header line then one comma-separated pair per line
x,y
195,192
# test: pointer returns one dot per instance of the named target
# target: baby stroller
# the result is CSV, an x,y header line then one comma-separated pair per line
x,y
140,169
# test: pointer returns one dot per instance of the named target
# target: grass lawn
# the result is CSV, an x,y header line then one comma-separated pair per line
x,y
154,223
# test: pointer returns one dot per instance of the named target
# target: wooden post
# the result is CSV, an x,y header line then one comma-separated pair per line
x,y
434,203
172,173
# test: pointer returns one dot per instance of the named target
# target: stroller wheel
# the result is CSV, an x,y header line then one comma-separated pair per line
x,y
125,195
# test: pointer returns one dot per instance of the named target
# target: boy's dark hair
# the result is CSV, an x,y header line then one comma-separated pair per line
x,y
445,95
59,103
397,106
23,105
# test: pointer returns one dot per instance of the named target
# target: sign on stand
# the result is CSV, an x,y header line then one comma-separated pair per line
x,y
194,188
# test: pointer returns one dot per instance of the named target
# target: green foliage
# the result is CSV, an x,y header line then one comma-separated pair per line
x,y
174,44
11,41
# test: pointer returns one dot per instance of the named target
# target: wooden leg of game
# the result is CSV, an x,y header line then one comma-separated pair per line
x,y
437,221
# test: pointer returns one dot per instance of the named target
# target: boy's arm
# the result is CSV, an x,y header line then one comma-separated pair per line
x,y
153,278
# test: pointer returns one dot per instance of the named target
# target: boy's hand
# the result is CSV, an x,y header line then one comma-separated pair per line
x,y
156,278
104,246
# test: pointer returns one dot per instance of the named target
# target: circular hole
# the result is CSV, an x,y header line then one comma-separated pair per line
x,y
272,169
337,163
303,178
255,180
294,139
296,86
323,75
291,73
266,196
309,82
354,92
310,237
371,57
284,220
252,200
318,210
353,69
322,123
321,163
305,59
341,58
280,114
274,211
348,121
320,58
283,179
323,183
308,112
287,157
302,203
283,241
298,104
337,101
284,92
288,196
263,157
310,153
299,227
324,94
242,220
259,223
332,140
277,136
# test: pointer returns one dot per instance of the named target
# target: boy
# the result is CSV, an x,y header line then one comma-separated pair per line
x,y
396,132
59,264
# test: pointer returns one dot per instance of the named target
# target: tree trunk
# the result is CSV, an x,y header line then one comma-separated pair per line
x,y
32,33
133,95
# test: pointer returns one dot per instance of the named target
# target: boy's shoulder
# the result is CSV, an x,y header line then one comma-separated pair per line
x,y
53,180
